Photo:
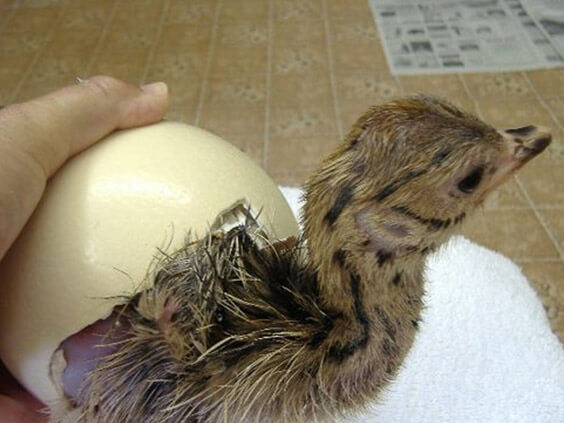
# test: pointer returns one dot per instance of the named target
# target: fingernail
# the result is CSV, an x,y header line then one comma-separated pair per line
x,y
155,89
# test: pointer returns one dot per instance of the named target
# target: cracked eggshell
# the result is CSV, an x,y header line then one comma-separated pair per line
x,y
97,230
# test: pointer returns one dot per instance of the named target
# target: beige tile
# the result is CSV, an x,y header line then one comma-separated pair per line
x,y
127,66
366,88
501,86
362,58
11,72
55,68
15,44
354,29
39,3
91,3
548,281
256,10
130,13
72,42
544,184
241,91
290,178
117,39
181,112
504,114
555,220
297,10
509,195
300,59
235,60
182,38
4,15
288,90
113,56
356,92
556,106
33,19
184,97
175,66
242,33
448,87
298,33
191,12
549,83
345,8
305,121
90,17
300,152
187,88
515,233
228,120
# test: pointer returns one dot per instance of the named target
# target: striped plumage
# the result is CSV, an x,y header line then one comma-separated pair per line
x,y
241,328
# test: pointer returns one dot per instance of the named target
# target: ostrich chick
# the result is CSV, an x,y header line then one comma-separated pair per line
x,y
240,328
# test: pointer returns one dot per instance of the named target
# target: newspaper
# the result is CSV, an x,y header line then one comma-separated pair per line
x,y
548,15
440,36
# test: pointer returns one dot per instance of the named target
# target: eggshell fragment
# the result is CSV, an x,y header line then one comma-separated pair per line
x,y
99,226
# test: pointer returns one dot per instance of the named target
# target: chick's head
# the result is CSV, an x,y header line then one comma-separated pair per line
x,y
419,165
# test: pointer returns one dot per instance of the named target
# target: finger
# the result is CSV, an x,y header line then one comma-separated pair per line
x,y
10,387
51,128
13,411
38,136
16,404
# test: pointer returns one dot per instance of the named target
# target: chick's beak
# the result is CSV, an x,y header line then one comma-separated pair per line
x,y
527,142
521,145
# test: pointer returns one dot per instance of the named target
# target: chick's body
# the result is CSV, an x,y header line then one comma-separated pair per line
x,y
241,328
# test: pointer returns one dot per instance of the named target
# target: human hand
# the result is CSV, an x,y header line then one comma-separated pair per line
x,y
36,138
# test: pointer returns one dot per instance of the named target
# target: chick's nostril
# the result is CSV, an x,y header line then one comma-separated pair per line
x,y
537,145
527,141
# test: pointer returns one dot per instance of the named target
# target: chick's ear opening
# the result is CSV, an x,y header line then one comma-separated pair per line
x,y
389,231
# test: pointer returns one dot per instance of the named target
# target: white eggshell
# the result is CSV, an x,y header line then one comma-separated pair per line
x,y
98,227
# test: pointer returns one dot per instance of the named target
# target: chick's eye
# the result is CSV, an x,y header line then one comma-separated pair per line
x,y
471,181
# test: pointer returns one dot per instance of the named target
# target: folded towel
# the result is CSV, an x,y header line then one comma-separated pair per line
x,y
484,352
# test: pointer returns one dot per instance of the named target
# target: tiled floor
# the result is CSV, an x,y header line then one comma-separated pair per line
x,y
283,80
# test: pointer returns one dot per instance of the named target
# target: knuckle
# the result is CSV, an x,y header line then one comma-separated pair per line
x,y
106,85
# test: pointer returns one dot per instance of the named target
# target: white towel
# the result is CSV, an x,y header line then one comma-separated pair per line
x,y
484,353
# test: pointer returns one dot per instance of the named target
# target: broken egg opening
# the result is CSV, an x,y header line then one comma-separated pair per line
x,y
98,229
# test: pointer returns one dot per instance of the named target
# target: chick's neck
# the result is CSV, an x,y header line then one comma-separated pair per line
x,y
352,273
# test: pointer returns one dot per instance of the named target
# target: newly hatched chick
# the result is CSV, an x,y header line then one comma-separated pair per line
x,y
240,328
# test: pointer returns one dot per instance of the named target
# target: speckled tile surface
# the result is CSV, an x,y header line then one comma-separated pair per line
x,y
283,80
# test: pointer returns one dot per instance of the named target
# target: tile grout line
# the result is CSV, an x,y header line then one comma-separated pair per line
x,y
537,260
7,18
156,39
38,54
101,38
379,41
209,61
270,42
540,218
400,85
519,183
470,96
542,101
336,103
